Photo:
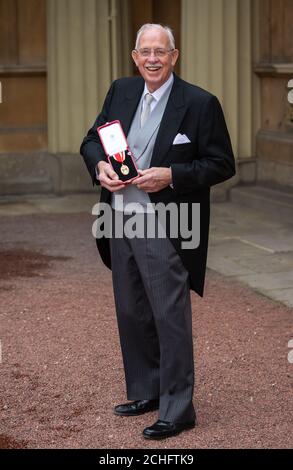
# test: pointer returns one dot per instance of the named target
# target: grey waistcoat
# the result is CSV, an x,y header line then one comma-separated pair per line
x,y
141,142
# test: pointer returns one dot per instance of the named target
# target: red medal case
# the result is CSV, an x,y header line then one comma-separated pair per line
x,y
122,161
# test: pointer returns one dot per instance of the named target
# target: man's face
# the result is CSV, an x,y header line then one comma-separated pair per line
x,y
155,69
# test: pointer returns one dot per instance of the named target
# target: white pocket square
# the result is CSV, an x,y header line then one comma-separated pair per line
x,y
181,139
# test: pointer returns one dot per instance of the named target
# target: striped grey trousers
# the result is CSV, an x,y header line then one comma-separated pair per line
x,y
152,298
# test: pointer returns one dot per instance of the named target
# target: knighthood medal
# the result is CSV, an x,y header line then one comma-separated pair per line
x,y
120,157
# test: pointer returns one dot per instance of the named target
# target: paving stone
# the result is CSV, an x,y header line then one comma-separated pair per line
x,y
226,266
268,262
269,281
283,295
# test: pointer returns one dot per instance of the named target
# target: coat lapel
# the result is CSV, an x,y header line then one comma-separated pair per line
x,y
172,117
129,103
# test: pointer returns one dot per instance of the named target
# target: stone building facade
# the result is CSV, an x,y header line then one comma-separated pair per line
x,y
58,58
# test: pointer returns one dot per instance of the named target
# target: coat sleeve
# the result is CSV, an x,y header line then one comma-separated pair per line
x,y
91,148
214,162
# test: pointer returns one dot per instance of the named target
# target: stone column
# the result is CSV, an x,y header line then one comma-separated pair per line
x,y
87,49
217,55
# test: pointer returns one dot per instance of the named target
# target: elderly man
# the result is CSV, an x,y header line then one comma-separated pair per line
x,y
181,145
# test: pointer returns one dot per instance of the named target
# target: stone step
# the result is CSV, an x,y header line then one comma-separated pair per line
x,y
276,203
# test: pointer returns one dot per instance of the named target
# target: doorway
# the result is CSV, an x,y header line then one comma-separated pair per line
x,y
166,12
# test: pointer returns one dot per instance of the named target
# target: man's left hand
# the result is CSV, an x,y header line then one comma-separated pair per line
x,y
153,179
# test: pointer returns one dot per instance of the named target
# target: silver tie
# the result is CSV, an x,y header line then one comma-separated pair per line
x,y
146,109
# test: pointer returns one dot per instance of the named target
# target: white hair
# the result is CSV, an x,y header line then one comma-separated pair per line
x,y
147,26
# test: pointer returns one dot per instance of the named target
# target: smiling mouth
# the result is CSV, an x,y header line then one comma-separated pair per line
x,y
153,68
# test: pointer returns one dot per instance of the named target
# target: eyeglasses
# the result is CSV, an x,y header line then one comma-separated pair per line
x,y
157,52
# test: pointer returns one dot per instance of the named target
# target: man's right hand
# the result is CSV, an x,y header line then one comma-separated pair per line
x,y
108,178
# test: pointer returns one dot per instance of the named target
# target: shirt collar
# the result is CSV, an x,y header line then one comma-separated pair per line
x,y
160,91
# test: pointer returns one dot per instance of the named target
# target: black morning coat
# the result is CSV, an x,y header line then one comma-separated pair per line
x,y
196,166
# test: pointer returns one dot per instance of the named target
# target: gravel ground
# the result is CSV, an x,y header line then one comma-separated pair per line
x,y
62,373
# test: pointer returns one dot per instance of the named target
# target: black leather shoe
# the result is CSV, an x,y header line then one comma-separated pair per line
x,y
138,407
163,429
